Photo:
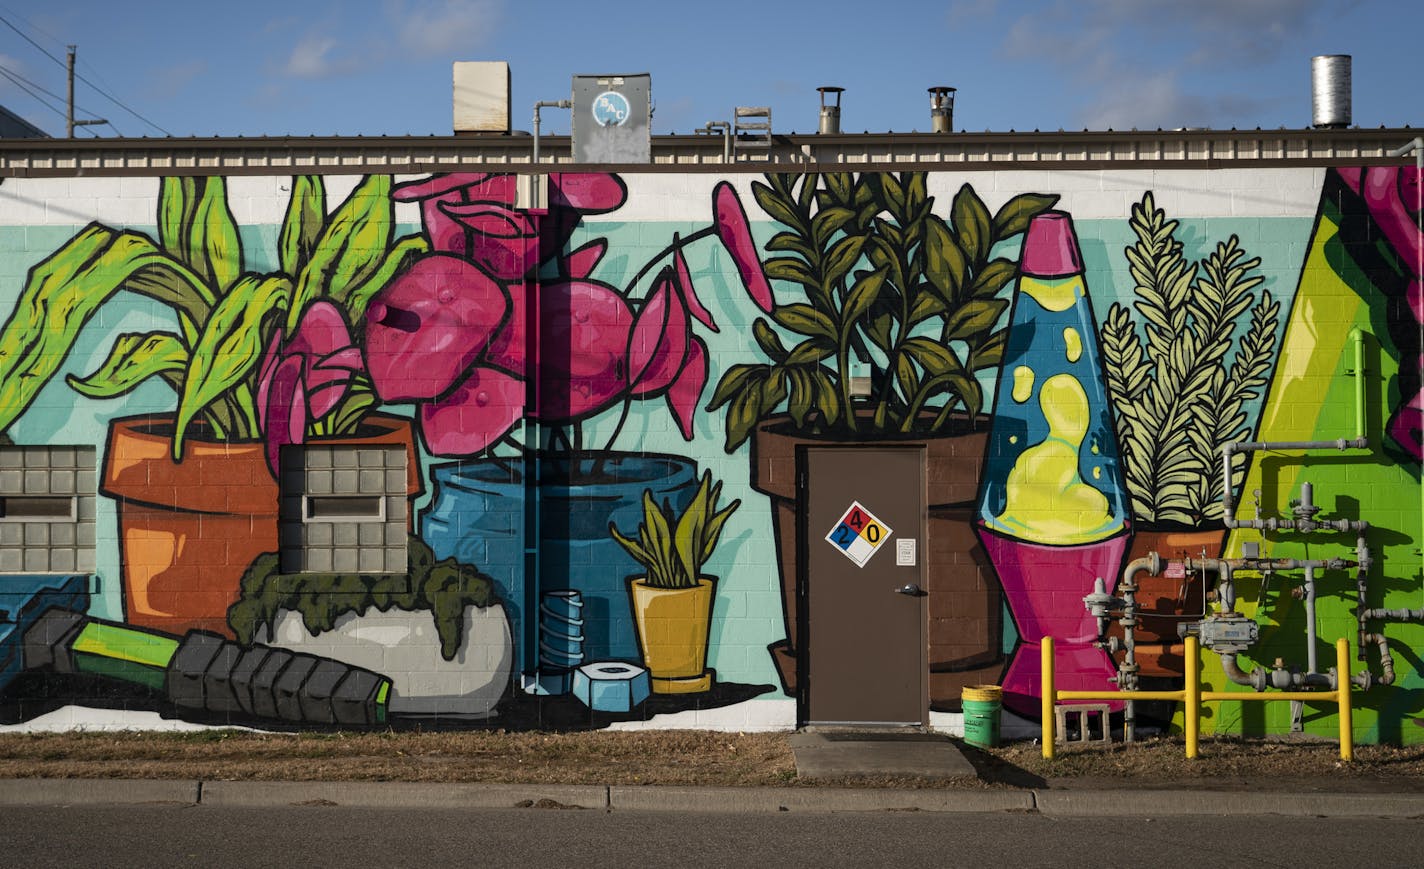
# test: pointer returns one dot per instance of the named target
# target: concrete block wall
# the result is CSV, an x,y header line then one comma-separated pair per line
x,y
343,509
47,524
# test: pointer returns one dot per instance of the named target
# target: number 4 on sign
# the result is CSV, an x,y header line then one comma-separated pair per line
x,y
858,534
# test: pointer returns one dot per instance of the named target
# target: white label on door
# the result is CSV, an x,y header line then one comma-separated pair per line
x,y
905,552
859,534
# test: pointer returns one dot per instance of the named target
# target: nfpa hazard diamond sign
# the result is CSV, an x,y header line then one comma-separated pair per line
x,y
859,534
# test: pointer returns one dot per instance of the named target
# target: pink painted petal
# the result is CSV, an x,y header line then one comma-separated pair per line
x,y
499,239
286,410
581,263
474,415
484,218
584,333
321,331
425,329
736,235
1383,189
270,360
507,351
1351,175
329,379
689,293
589,192
436,185
670,348
686,390
1406,427
649,329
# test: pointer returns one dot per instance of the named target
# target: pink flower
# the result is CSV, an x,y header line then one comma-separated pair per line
x,y
305,378
429,325
472,214
735,233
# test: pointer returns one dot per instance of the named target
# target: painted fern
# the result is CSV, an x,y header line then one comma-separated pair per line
x,y
1175,400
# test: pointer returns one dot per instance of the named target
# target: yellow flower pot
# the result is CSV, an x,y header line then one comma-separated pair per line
x,y
673,629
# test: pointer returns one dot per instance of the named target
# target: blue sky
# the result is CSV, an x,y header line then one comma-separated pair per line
x,y
383,67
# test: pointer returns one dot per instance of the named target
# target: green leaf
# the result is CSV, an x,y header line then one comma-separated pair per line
x,y
861,297
232,344
777,207
1014,216
993,278
743,413
971,223
737,380
61,293
804,320
351,248
788,269
974,318
944,263
828,221
306,210
768,340
842,257
198,229
133,359
934,357
810,351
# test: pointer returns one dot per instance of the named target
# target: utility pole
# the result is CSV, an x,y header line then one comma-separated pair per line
x,y
70,123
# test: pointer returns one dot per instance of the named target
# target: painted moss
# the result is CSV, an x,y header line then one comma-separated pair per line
x,y
444,588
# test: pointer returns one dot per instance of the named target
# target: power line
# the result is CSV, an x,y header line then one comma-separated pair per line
x,y
98,89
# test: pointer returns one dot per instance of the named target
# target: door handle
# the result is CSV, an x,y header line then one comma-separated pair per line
x,y
911,589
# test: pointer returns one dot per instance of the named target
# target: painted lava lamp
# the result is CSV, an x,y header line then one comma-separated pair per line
x,y
1053,514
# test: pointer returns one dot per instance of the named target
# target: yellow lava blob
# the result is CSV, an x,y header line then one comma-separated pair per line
x,y
1046,499
1053,294
1023,384
1074,342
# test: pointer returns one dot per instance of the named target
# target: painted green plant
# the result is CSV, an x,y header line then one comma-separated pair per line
x,y
229,322
444,588
673,547
888,284
1175,397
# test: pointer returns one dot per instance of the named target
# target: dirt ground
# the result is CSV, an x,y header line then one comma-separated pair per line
x,y
682,758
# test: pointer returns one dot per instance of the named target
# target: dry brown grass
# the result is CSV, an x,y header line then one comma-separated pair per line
x,y
678,757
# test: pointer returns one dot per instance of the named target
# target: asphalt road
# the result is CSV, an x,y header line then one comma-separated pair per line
x,y
323,835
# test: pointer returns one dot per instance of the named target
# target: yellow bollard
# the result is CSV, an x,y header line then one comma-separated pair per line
x,y
1191,715
1050,738
1342,688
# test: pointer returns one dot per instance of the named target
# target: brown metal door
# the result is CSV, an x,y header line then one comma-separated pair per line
x,y
863,608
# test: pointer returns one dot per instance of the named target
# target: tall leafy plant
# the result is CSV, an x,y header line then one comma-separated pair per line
x,y
672,547
225,316
1180,383
887,284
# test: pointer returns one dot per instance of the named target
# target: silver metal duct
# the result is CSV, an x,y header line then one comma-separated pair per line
x,y
830,113
1330,91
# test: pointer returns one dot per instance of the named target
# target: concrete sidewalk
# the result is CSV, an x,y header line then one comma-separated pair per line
x,y
1063,803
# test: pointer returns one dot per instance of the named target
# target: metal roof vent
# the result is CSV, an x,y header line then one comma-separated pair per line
x,y
1330,91
941,109
830,114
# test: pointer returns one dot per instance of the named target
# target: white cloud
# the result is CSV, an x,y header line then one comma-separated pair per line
x,y
450,27
311,58
1139,63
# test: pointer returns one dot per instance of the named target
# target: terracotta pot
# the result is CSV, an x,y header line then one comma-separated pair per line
x,y
188,530
1164,603
674,625
964,598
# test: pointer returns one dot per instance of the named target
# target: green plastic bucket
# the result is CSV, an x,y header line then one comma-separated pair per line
x,y
982,705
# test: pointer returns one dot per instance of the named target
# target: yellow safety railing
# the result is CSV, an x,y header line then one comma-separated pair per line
x,y
1192,697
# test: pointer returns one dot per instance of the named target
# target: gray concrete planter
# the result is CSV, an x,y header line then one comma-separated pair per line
x,y
405,647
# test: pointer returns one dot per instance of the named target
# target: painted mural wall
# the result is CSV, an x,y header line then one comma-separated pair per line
x,y
377,451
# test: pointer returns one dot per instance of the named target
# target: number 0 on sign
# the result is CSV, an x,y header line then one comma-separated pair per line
x,y
859,534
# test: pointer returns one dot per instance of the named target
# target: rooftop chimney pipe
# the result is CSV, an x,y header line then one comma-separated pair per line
x,y
1330,91
830,114
941,109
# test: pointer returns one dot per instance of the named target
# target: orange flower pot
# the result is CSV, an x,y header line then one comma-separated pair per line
x,y
189,529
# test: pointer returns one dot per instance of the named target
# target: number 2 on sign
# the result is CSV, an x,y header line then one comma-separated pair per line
x,y
844,536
